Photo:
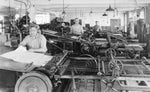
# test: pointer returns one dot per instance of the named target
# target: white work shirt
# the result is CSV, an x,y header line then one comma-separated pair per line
x,y
34,43
76,29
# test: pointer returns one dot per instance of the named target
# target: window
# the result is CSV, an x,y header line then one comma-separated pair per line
x,y
42,18
1,23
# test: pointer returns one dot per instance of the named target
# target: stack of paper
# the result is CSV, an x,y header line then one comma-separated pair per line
x,y
23,56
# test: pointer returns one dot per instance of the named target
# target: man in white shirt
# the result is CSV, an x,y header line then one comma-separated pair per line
x,y
35,42
97,27
76,29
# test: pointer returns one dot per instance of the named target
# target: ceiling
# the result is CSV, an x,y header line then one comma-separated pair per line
x,y
88,5
96,6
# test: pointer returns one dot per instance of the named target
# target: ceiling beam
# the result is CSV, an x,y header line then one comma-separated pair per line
x,y
88,5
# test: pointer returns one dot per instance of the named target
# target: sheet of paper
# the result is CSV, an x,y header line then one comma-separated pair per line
x,y
75,37
23,56
21,49
50,31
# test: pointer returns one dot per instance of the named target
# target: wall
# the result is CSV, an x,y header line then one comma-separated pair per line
x,y
91,18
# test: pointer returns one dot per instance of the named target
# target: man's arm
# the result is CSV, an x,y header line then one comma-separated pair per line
x,y
24,42
82,31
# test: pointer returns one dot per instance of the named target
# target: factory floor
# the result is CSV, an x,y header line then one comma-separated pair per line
x,y
7,78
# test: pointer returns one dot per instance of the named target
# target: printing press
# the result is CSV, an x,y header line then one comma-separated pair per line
x,y
86,63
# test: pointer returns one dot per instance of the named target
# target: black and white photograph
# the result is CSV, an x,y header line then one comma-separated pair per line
x,y
74,45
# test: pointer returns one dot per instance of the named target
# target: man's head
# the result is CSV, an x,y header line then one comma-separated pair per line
x,y
76,21
96,22
33,31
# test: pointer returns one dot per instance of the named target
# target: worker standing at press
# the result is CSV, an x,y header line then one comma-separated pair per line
x,y
76,29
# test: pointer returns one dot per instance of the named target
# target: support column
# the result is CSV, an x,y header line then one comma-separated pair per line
x,y
32,13
147,14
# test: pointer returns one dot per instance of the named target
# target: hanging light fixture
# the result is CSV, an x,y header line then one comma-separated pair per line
x,y
91,12
115,9
63,12
104,14
109,8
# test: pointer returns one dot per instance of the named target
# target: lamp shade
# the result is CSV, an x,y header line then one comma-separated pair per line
x,y
104,14
109,8
91,12
63,12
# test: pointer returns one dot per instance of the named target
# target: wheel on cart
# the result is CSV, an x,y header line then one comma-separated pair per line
x,y
33,82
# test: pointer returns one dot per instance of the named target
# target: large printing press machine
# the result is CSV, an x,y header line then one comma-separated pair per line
x,y
104,63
